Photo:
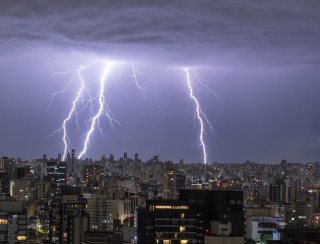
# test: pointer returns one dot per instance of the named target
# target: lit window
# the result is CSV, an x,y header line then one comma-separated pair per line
x,y
3,221
182,228
21,238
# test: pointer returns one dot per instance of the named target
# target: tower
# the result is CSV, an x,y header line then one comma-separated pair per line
x,y
59,157
73,161
169,181
57,172
136,158
111,158
180,181
135,163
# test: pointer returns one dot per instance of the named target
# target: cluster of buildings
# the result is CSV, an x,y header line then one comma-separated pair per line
x,y
127,200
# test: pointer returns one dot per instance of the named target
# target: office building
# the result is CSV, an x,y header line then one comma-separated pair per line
x,y
180,181
57,172
91,174
8,165
22,189
169,181
68,217
13,222
4,184
103,211
169,222
222,210
73,161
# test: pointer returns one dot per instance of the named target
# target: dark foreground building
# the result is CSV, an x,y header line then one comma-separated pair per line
x,y
200,216
222,210
169,221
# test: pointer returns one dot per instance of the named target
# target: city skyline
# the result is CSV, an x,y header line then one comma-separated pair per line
x,y
259,59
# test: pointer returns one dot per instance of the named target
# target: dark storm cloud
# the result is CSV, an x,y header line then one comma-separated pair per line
x,y
268,52
273,31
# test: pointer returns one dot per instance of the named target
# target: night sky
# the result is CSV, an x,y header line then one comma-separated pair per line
x,y
261,59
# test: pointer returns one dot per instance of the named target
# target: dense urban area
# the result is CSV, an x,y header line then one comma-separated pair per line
x,y
126,200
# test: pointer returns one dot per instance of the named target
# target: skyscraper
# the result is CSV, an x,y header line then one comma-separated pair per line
x,y
180,181
136,158
8,165
68,217
73,160
169,181
222,210
57,172
169,221
13,222
111,158
59,157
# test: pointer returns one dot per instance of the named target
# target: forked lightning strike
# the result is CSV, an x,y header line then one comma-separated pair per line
x,y
103,110
94,118
200,115
134,76
70,114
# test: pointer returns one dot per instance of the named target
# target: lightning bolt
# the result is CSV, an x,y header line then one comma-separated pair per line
x,y
103,110
53,95
200,115
143,90
134,77
204,87
72,111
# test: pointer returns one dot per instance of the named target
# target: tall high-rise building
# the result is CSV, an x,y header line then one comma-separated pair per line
x,y
4,183
13,222
103,211
68,159
73,160
169,181
68,217
57,172
59,157
42,189
222,210
125,157
169,221
22,189
199,216
278,192
111,158
136,158
135,164
22,172
180,181
8,165
91,174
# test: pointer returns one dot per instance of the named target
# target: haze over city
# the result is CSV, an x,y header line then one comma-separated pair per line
x,y
260,59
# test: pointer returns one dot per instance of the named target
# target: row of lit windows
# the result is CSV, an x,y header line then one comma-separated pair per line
x,y
153,207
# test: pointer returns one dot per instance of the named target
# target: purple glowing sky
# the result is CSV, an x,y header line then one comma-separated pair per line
x,y
264,59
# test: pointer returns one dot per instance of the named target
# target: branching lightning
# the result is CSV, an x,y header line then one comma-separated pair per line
x,y
199,114
134,77
103,110
83,100
72,111
143,90
202,86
